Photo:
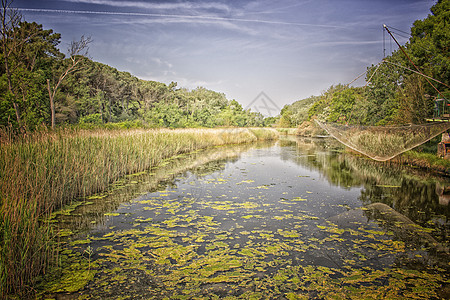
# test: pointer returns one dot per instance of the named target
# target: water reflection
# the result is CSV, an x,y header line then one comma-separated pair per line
x,y
443,192
412,192
421,197
93,211
298,218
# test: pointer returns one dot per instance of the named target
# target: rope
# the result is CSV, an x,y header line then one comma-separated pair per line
x,y
401,48
355,78
346,86
368,81
398,65
385,142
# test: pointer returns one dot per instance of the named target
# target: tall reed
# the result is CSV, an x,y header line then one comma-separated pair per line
x,y
42,172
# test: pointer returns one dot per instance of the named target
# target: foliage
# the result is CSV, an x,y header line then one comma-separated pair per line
x,y
25,62
337,104
100,90
398,95
91,119
296,113
380,94
342,104
426,161
429,45
394,94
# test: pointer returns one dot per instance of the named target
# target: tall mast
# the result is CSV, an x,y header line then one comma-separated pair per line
x,y
401,48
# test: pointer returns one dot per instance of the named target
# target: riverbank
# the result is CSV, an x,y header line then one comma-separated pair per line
x,y
232,225
411,158
420,160
426,161
43,171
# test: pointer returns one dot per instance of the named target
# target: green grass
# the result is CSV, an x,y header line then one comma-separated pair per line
x,y
287,131
46,170
426,160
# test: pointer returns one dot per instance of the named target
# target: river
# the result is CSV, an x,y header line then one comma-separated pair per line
x,y
296,218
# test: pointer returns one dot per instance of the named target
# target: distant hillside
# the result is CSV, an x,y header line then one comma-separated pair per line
x,y
39,85
407,87
292,115
98,93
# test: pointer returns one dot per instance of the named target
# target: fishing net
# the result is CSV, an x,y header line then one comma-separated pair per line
x,y
384,142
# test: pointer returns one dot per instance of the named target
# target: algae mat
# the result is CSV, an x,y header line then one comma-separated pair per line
x,y
262,223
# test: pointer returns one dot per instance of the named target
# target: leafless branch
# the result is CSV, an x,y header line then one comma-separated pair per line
x,y
76,49
10,19
80,47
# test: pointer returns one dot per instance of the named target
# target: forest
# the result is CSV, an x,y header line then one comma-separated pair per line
x,y
40,85
395,93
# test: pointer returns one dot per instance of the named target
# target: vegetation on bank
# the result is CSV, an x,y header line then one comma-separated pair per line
x,y
41,85
424,160
41,172
394,94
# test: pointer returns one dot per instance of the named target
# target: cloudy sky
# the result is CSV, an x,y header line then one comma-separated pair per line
x,y
288,49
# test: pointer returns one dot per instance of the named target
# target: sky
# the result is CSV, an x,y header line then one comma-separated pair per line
x,y
276,52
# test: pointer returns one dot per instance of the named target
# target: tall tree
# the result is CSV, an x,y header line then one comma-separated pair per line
x,y
10,19
429,46
77,50
26,58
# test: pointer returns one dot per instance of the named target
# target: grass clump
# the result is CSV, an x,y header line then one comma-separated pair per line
x,y
426,161
46,170
383,143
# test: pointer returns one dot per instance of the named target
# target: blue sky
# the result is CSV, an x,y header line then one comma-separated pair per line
x,y
287,49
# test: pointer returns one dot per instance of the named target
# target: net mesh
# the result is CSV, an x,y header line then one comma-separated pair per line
x,y
383,143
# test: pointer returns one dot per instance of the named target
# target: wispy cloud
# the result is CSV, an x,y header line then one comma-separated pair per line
x,y
346,43
156,6
183,18
291,48
161,62
272,7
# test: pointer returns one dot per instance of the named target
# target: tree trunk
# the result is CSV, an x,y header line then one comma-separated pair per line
x,y
8,75
16,109
100,100
52,103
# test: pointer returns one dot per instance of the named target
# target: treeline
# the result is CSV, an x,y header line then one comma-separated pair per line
x,y
395,94
98,93
40,85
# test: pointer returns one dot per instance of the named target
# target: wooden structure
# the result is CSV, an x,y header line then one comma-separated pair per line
x,y
444,146
442,109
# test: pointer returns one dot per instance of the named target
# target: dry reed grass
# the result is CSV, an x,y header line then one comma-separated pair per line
x,y
43,171
383,143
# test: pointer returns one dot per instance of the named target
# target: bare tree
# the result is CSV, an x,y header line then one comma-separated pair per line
x,y
77,50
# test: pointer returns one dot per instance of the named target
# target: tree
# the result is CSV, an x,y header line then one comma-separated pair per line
x,y
10,21
342,104
414,104
285,117
26,60
77,50
42,86
429,46
380,93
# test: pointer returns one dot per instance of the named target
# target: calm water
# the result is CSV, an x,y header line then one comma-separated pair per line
x,y
293,219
